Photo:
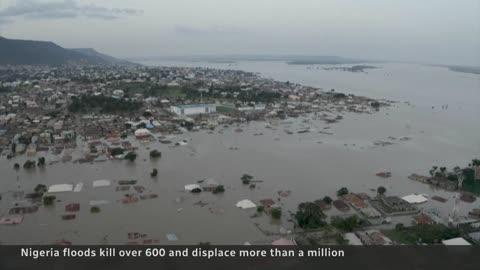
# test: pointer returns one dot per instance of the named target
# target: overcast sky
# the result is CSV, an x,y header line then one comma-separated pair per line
x,y
432,31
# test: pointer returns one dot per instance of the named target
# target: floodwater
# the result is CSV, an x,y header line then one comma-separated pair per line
x,y
310,165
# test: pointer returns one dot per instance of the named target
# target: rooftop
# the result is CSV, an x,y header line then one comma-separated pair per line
x,y
459,241
193,106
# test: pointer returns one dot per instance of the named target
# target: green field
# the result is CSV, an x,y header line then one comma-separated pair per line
x,y
225,108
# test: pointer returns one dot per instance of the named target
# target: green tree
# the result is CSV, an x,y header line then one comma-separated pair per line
x,y
476,162
116,151
246,179
49,200
155,154
218,189
347,224
276,213
29,164
342,191
327,200
41,161
131,156
381,190
40,188
309,216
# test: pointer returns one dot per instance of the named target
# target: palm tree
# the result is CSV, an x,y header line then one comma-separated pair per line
x,y
381,190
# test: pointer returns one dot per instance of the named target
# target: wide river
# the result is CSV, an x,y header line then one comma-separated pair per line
x,y
310,165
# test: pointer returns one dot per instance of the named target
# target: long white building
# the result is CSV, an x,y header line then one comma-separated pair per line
x,y
192,109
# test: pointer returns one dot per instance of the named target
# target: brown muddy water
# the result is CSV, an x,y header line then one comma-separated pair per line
x,y
310,165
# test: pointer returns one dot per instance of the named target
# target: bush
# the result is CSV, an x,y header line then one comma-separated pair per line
x,y
246,179
155,154
309,216
342,191
40,188
381,190
260,208
327,200
476,162
196,190
94,209
41,161
49,200
154,173
375,104
218,189
29,164
16,166
276,213
347,224
116,151
131,156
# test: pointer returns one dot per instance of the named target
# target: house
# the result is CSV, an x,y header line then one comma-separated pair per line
x,y
210,184
57,126
373,237
68,134
118,94
393,205
475,213
459,241
193,109
423,219
142,133
370,213
352,239
284,242
267,203
477,172
341,205
355,201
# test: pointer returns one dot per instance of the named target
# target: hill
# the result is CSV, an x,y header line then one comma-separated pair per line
x,y
93,53
30,52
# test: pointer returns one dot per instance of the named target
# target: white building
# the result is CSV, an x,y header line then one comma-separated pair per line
x,y
193,109
459,241
118,94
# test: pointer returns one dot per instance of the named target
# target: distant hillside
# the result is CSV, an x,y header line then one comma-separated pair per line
x,y
465,69
93,53
29,52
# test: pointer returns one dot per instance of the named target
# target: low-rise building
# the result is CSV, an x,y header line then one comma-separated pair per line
x,y
192,109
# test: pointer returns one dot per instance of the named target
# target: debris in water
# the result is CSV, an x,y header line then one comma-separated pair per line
x,y
384,174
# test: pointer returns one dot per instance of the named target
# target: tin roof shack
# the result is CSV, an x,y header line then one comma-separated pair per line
x,y
370,213
393,206
352,239
373,238
210,185
355,201
475,213
323,205
341,205
423,219
267,203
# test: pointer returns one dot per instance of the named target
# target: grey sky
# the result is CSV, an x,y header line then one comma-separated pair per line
x,y
434,31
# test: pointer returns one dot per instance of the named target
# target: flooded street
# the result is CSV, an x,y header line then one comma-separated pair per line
x,y
311,165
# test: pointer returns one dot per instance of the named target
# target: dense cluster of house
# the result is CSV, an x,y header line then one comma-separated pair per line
x,y
35,110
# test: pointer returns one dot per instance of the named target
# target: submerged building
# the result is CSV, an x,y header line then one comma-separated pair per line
x,y
192,109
